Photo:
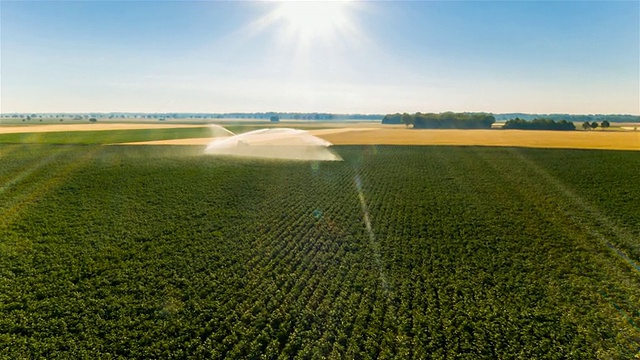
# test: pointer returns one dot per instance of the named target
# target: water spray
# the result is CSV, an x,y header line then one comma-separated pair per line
x,y
273,143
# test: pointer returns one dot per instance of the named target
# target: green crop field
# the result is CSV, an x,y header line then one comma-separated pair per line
x,y
104,136
397,252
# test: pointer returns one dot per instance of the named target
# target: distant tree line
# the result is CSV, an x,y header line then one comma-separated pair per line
x,y
446,120
178,116
539,124
570,117
389,119
592,125
392,119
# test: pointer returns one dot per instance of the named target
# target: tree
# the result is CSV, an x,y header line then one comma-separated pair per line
x,y
605,124
539,124
275,118
450,120
406,119
594,125
93,119
586,125
392,119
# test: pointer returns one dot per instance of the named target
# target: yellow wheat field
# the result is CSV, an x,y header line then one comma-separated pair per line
x,y
613,140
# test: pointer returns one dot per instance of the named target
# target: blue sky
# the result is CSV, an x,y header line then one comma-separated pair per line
x,y
364,57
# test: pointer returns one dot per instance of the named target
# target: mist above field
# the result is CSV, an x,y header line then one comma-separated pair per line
x,y
218,131
281,143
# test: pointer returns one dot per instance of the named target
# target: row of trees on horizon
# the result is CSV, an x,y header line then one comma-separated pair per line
x,y
211,116
451,120
446,120
312,116
539,124
548,124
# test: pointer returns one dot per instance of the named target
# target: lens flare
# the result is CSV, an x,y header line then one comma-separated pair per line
x,y
373,242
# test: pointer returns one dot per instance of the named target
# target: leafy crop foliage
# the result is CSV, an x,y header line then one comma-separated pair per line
x,y
397,252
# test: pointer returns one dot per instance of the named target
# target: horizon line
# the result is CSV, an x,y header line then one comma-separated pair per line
x,y
304,112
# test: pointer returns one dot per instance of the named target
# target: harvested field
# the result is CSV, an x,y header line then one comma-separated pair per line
x,y
524,138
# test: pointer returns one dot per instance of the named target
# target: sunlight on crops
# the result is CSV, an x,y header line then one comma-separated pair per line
x,y
372,236
502,245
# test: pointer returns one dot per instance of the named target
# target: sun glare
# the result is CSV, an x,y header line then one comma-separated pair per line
x,y
311,37
313,19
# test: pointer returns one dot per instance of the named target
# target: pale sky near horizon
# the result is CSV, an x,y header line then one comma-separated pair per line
x,y
339,57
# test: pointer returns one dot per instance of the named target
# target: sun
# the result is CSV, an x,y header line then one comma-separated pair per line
x,y
313,19
309,36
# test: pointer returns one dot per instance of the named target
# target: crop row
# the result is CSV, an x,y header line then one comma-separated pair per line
x,y
397,252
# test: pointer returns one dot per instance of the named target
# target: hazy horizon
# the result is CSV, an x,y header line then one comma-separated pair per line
x,y
69,113
330,57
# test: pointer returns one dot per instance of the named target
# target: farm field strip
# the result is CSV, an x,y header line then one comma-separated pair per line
x,y
104,136
614,140
350,134
188,141
89,127
156,251
205,141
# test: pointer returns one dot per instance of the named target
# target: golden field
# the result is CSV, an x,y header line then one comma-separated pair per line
x,y
377,134
612,140
606,140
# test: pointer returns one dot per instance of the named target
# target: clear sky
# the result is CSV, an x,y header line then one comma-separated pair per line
x,y
341,57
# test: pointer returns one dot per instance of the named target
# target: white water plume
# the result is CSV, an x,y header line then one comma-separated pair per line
x,y
218,131
274,143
